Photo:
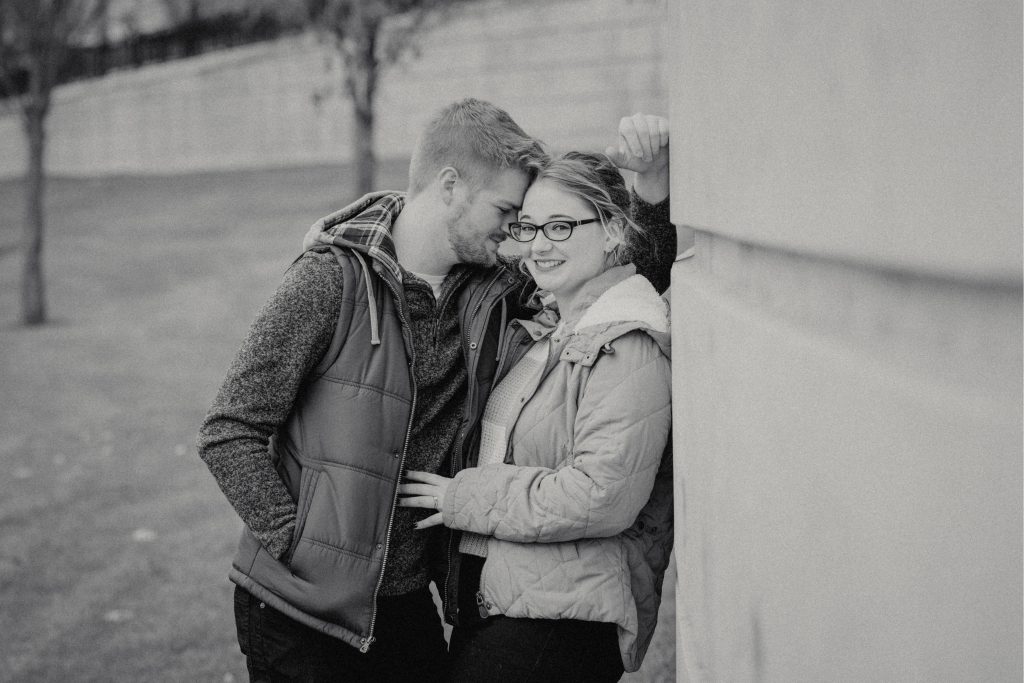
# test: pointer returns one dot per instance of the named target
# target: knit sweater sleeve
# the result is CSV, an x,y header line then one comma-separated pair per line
x,y
290,334
654,255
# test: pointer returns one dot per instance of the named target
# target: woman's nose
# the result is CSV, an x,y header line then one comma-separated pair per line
x,y
540,243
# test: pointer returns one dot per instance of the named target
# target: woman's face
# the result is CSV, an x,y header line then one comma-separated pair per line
x,y
563,267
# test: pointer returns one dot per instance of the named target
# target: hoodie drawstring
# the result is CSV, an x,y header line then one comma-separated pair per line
x,y
374,313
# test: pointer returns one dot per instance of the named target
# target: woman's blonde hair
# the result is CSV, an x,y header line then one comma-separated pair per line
x,y
596,180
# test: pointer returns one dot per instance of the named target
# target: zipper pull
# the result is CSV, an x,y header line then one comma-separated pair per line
x,y
482,605
366,642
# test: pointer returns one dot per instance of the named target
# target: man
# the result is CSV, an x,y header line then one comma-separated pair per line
x,y
373,356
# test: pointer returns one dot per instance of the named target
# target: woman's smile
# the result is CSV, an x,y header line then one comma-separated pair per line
x,y
545,265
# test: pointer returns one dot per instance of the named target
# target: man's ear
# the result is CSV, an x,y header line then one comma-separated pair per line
x,y
447,179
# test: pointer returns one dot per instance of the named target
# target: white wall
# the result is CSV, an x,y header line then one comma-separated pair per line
x,y
847,341
565,70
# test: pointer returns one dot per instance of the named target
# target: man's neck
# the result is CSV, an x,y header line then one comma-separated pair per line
x,y
420,249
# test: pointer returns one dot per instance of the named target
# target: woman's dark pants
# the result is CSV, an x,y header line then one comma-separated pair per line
x,y
502,649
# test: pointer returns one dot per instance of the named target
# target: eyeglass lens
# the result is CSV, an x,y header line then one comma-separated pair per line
x,y
556,231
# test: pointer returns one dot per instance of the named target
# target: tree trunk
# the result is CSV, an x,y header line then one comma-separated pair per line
x,y
33,300
361,84
362,146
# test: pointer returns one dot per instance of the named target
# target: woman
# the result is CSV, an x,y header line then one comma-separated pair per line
x,y
569,507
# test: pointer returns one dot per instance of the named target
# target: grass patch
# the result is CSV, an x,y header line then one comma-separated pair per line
x,y
152,283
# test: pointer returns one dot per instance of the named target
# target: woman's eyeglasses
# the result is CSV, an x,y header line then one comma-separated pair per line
x,y
556,231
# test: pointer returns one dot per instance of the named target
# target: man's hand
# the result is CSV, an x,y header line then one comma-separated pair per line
x,y
643,143
424,490
643,147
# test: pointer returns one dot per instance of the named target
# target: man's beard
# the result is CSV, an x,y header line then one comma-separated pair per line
x,y
469,248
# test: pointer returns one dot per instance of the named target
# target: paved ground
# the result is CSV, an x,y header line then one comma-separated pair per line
x,y
114,540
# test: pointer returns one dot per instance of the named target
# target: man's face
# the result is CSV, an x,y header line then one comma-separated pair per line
x,y
476,224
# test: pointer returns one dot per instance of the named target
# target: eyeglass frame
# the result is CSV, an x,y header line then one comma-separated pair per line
x,y
544,228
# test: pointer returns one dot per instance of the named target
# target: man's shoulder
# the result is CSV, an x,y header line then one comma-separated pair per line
x,y
317,260
315,269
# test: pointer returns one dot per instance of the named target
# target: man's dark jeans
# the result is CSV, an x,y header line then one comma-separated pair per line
x,y
409,644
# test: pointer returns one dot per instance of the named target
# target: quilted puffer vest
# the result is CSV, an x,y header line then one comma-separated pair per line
x,y
340,453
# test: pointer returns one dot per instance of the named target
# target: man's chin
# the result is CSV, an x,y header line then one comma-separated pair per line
x,y
483,257
488,258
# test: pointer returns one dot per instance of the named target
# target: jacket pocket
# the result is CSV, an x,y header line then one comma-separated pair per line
x,y
307,485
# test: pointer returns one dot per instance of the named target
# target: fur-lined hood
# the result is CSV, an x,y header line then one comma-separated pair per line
x,y
614,303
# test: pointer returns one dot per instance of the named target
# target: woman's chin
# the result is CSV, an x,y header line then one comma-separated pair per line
x,y
545,282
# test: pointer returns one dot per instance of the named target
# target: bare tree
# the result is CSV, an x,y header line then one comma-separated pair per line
x,y
34,40
369,35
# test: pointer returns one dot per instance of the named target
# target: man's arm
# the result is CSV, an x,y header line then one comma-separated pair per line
x,y
643,147
287,339
654,255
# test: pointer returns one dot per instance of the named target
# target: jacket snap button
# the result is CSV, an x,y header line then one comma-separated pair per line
x,y
263,605
396,454
472,345
379,546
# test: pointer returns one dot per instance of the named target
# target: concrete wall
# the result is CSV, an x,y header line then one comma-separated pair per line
x,y
847,340
565,70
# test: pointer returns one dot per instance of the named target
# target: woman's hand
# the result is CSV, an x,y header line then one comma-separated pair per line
x,y
643,147
424,490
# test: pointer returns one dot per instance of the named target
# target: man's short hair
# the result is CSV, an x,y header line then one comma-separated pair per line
x,y
475,138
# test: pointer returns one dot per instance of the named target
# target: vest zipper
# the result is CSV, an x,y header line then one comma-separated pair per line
x,y
368,640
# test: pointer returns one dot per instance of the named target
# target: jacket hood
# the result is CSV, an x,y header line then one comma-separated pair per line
x,y
364,226
614,303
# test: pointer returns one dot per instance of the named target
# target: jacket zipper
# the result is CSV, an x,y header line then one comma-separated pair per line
x,y
462,439
479,305
439,305
506,356
368,640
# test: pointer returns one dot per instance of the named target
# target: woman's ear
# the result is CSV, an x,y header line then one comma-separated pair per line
x,y
613,236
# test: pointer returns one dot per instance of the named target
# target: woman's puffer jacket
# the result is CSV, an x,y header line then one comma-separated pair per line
x,y
580,514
